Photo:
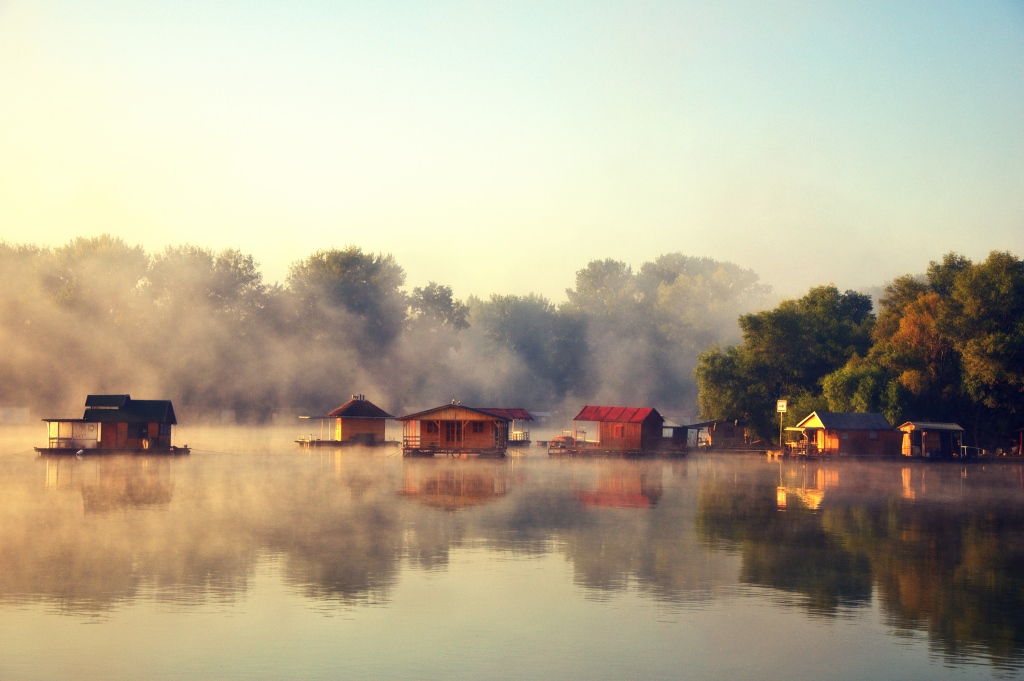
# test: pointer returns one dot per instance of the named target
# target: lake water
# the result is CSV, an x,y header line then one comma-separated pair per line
x,y
254,559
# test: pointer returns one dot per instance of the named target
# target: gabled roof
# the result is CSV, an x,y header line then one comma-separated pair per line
x,y
516,413
616,414
930,425
360,409
129,411
831,420
420,414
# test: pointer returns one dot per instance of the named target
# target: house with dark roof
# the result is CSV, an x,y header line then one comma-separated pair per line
x,y
455,430
824,433
932,439
357,422
721,433
115,423
617,430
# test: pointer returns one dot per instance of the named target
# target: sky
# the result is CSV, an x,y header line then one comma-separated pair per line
x,y
499,147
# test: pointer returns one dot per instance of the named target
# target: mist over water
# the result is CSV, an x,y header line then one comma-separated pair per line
x,y
251,550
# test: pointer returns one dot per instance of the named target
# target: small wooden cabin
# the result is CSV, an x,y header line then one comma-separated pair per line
x,y
115,423
358,421
722,433
620,429
454,430
846,434
518,433
930,439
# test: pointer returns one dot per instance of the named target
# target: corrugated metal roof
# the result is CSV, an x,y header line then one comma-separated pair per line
x,y
616,414
517,413
359,409
930,425
849,421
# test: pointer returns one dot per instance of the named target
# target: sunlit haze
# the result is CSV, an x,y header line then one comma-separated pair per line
x,y
479,144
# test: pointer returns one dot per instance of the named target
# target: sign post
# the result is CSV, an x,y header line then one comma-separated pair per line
x,y
781,406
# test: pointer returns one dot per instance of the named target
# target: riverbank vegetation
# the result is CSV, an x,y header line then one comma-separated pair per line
x,y
945,346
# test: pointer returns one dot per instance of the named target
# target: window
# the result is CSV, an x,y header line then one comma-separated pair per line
x,y
617,430
478,426
432,427
452,431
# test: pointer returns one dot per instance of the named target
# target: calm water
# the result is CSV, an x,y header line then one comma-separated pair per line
x,y
252,559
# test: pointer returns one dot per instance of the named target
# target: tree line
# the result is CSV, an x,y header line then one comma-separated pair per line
x,y
205,329
944,346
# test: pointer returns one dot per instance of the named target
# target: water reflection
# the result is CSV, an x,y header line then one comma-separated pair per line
x,y
939,548
113,483
942,546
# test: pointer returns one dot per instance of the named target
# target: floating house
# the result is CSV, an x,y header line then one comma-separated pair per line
x,y
618,430
722,434
932,440
454,430
357,422
115,423
518,433
844,434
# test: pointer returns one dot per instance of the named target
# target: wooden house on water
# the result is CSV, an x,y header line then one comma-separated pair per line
x,y
518,433
625,431
844,434
357,422
932,440
722,434
454,430
115,423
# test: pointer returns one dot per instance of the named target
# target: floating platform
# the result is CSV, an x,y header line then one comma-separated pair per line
x,y
77,451
594,452
306,442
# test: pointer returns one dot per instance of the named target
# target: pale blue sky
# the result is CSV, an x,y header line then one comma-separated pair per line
x,y
499,147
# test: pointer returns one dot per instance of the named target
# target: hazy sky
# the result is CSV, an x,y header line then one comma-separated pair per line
x,y
498,147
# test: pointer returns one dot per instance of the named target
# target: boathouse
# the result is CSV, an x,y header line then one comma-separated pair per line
x,y
721,433
518,432
114,422
618,429
358,421
454,430
845,434
932,440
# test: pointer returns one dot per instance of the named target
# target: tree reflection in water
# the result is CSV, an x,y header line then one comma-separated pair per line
x,y
941,545
939,548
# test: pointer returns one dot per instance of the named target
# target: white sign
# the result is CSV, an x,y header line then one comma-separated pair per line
x,y
780,406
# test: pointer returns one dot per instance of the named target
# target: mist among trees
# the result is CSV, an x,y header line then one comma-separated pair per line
x,y
204,329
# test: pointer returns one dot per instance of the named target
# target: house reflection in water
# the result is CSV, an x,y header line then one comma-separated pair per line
x,y
454,486
624,485
113,483
807,492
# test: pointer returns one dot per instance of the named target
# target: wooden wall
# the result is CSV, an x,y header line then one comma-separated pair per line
x,y
349,428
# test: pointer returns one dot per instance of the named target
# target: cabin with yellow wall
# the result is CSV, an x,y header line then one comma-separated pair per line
x,y
846,434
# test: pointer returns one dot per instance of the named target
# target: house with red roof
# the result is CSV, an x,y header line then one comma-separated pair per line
x,y
619,430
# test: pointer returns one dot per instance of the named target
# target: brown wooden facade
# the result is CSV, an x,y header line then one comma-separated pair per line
x,y
845,434
357,422
931,440
626,431
114,423
454,430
